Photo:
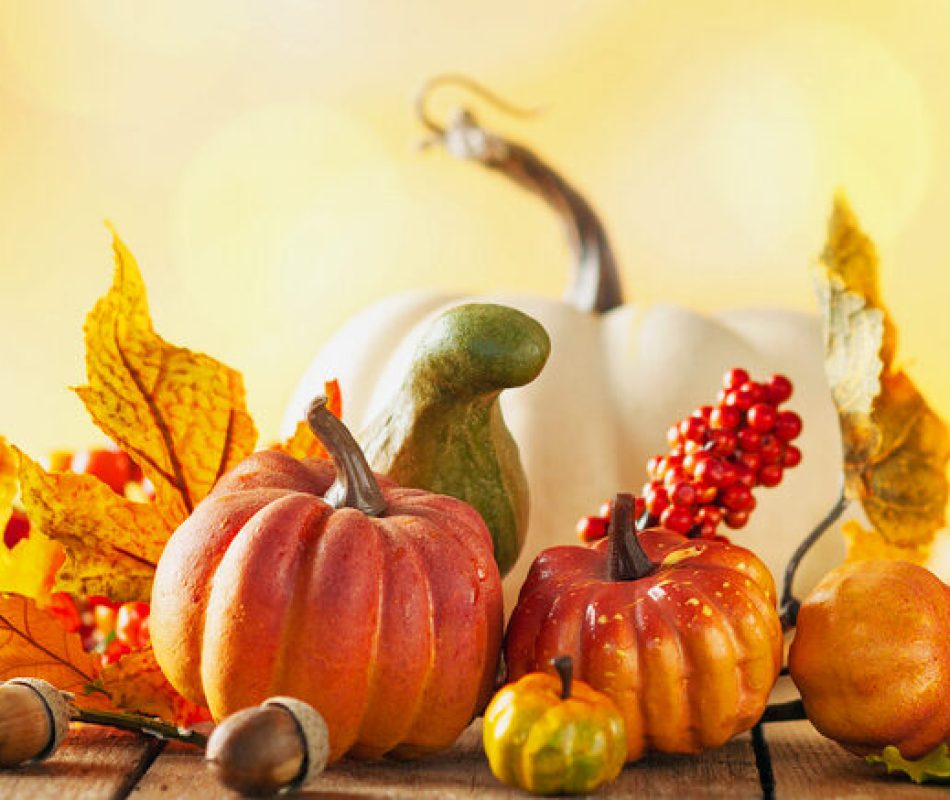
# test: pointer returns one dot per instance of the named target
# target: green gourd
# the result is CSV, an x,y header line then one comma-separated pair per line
x,y
444,430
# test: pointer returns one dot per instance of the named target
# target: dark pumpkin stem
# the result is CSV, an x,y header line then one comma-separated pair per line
x,y
789,605
626,558
595,286
565,670
355,485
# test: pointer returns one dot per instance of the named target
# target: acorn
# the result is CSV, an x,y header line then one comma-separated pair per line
x,y
278,746
34,718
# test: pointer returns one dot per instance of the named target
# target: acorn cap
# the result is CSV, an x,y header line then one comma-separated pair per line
x,y
57,707
315,733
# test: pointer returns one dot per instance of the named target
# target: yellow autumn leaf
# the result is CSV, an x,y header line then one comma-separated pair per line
x,y
896,448
33,644
112,544
29,567
180,415
136,683
863,544
303,443
8,482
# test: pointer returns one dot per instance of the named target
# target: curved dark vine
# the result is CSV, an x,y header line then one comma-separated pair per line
x,y
789,604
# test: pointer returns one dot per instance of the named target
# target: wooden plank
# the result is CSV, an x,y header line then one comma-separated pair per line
x,y
90,764
462,772
807,765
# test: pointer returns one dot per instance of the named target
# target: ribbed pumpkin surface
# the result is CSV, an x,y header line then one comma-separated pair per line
x,y
689,654
390,626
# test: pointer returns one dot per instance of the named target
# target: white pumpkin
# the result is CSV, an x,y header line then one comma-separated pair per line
x,y
614,383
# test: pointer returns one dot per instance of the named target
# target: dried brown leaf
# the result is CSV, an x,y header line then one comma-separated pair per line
x,y
896,447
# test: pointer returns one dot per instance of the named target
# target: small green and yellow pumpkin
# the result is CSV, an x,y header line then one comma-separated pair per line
x,y
549,734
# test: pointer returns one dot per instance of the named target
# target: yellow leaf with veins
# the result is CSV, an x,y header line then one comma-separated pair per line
x,y
112,544
896,447
180,415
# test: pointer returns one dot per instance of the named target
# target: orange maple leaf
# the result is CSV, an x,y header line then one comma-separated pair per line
x,y
34,644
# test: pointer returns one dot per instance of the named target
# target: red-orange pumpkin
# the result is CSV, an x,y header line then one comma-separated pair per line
x,y
386,617
682,634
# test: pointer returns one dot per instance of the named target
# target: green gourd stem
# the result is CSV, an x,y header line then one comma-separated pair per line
x,y
149,726
355,485
565,670
444,431
626,558
595,286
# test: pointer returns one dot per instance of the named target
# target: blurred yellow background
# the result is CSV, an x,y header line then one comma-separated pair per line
x,y
257,157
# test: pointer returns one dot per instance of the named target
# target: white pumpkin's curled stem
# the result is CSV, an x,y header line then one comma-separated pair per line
x,y
355,485
626,558
789,604
595,285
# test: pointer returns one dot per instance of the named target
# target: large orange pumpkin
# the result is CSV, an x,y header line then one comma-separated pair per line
x,y
682,634
380,606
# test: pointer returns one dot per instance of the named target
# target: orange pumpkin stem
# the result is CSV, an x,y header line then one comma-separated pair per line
x,y
595,284
565,670
355,485
626,558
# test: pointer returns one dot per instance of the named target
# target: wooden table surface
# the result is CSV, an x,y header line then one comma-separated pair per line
x,y
781,760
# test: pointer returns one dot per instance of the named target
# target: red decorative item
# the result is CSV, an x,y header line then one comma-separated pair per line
x,y
681,633
380,606
718,455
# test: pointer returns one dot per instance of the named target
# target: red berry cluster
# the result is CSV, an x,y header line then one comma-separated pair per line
x,y
717,456
105,627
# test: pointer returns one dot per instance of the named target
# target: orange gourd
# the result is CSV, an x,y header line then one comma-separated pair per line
x,y
380,606
871,657
682,634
